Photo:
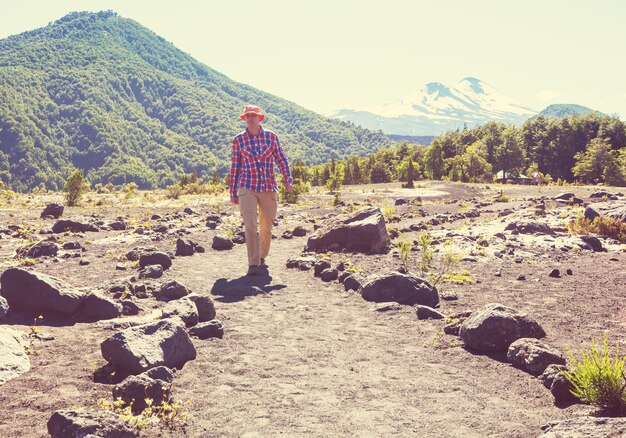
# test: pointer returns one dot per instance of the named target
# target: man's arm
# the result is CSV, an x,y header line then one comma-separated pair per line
x,y
283,164
235,170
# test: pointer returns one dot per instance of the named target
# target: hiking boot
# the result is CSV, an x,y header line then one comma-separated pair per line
x,y
254,270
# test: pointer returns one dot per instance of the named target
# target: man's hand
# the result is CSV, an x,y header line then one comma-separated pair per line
x,y
288,187
234,201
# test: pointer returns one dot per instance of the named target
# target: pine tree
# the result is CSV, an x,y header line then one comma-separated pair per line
x,y
410,175
347,178
356,172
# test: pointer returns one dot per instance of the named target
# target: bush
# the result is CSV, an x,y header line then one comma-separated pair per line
x,y
74,187
598,379
298,188
602,225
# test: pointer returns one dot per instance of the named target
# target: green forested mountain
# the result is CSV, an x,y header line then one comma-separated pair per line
x,y
103,93
566,109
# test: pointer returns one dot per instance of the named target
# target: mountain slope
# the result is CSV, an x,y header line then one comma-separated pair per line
x,y
436,108
566,109
103,93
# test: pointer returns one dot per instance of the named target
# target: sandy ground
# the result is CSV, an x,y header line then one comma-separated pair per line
x,y
305,358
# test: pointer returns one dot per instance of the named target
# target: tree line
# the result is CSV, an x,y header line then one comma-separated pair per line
x,y
586,149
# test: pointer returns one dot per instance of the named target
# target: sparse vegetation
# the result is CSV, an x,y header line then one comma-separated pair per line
x,y
74,187
602,225
599,378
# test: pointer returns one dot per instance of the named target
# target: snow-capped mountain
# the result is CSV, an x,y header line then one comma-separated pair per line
x,y
436,108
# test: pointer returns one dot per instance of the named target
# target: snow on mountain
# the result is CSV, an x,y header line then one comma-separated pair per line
x,y
437,108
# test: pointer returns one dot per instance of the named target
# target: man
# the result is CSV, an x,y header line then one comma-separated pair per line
x,y
253,184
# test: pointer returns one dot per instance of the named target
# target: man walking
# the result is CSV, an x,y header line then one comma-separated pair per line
x,y
253,184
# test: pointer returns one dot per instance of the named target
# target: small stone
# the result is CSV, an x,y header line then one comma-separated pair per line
x,y
449,296
426,312
319,266
329,275
569,272
521,277
221,243
151,271
555,273
386,307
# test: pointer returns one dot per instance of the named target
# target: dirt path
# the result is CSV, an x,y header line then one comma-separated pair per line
x,y
309,359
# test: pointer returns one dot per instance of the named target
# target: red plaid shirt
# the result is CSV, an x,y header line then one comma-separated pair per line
x,y
252,165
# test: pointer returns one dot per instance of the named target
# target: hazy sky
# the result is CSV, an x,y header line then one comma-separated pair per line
x,y
331,54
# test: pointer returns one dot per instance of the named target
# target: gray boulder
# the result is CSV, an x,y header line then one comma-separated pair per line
x,y
303,263
38,293
172,290
221,243
39,249
299,231
185,247
593,242
618,213
76,225
54,210
364,231
530,227
68,423
401,288
209,329
140,348
591,213
205,306
184,308
320,266
155,258
532,355
136,389
13,358
568,196
495,327
161,373
426,312
135,253
554,379
353,282
603,194
96,307
329,274
151,271
118,225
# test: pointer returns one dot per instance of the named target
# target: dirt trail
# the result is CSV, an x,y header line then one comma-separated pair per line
x,y
308,359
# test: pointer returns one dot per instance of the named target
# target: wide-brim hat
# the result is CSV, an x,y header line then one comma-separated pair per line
x,y
252,109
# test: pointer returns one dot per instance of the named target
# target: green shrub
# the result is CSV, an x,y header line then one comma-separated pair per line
x,y
404,249
601,225
74,187
598,378
297,189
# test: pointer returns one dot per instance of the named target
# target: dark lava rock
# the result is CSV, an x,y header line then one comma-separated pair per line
x,y
208,329
54,210
401,288
221,243
495,327
363,231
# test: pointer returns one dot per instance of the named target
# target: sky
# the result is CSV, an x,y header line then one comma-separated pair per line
x,y
330,54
